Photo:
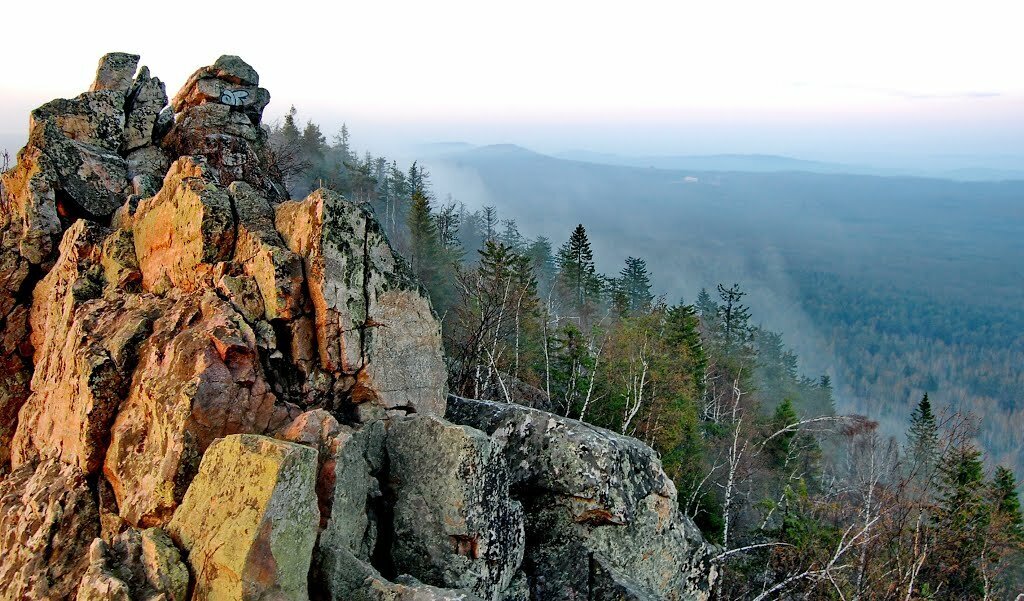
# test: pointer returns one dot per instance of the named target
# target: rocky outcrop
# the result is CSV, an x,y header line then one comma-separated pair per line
x,y
208,391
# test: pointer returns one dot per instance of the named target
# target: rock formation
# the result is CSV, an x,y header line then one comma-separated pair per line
x,y
209,391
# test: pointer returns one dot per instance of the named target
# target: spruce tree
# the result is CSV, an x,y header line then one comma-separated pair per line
x,y
733,320
577,273
961,522
1006,504
632,289
706,307
923,437
423,253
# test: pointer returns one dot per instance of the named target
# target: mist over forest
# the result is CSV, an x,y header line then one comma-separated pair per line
x,y
940,259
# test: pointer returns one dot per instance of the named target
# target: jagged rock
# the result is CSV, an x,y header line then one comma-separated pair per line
x,y
371,322
91,181
115,72
249,520
262,254
140,565
454,522
198,378
47,521
183,230
146,99
591,495
229,81
85,350
93,118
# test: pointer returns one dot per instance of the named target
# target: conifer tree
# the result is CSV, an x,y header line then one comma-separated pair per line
x,y
424,250
632,289
706,307
577,273
923,438
961,522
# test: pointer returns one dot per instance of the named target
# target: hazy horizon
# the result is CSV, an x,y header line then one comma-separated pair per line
x,y
796,79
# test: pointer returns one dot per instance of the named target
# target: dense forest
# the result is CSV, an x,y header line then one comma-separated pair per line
x,y
804,502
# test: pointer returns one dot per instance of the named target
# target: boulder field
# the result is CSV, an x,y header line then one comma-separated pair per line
x,y
211,391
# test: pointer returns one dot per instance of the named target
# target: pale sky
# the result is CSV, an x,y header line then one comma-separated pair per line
x,y
783,76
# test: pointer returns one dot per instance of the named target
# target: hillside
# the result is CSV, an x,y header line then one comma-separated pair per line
x,y
895,286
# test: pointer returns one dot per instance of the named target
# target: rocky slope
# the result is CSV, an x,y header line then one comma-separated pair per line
x,y
209,391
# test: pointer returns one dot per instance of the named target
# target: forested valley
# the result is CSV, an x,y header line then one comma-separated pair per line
x,y
803,500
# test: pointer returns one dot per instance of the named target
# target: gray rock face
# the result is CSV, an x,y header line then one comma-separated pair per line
x,y
593,497
374,333
454,522
115,72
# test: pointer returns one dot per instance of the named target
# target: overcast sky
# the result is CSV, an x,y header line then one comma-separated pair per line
x,y
821,80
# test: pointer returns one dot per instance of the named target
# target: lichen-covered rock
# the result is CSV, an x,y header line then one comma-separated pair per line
x,y
115,72
139,565
249,520
84,353
593,495
454,522
182,231
93,119
371,321
146,99
263,256
198,378
47,521
91,181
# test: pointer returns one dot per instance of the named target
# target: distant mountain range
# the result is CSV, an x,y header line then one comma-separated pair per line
x,y
748,163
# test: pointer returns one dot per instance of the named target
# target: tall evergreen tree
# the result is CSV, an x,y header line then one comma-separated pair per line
x,y
577,273
733,319
961,521
632,289
424,249
923,438
706,306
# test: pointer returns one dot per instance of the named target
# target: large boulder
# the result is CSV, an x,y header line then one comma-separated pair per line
x,y
373,331
262,254
593,498
198,379
48,518
454,523
249,520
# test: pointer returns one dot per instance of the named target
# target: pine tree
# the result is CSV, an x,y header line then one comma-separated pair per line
x,y
706,307
543,263
424,249
682,331
1006,504
923,439
289,130
632,289
577,274
733,319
